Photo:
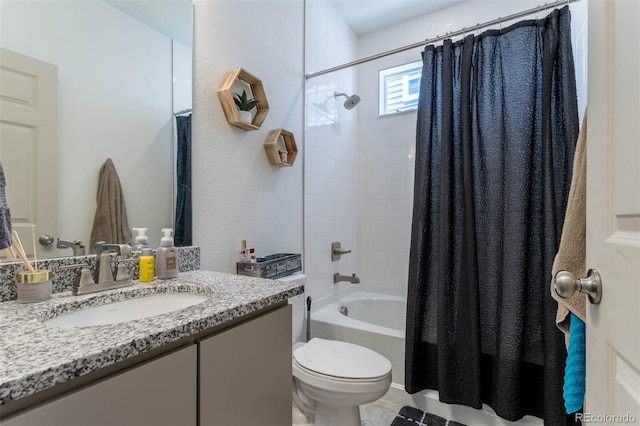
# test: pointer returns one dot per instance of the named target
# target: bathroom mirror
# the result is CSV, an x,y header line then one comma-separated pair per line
x,y
124,68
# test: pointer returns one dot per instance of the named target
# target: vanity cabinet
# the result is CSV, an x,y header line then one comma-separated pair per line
x,y
229,375
161,391
245,373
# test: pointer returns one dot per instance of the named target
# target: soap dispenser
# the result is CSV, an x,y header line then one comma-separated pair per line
x,y
166,257
141,241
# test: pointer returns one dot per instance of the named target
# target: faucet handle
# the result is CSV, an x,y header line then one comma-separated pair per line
x,y
337,250
122,273
126,250
74,266
84,278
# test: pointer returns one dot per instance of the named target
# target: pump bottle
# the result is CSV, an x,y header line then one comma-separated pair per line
x,y
141,241
166,257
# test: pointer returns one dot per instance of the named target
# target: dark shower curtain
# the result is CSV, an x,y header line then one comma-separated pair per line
x,y
497,128
183,172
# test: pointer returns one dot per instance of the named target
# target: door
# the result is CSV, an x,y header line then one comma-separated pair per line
x,y
28,146
613,212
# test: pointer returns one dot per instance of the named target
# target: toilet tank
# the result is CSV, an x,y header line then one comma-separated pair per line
x,y
299,307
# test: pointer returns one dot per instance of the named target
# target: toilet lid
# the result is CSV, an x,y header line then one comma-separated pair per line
x,y
341,359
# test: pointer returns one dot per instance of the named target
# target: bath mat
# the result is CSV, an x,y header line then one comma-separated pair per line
x,y
409,416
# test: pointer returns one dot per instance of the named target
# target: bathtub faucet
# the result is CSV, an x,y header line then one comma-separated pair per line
x,y
353,279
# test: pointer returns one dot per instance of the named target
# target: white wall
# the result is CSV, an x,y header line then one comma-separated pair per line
x,y
114,101
331,210
182,76
237,194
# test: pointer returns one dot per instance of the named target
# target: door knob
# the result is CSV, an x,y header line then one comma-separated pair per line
x,y
567,285
45,240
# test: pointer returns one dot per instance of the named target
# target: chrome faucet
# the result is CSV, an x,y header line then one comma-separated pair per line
x,y
103,273
353,279
77,246
103,276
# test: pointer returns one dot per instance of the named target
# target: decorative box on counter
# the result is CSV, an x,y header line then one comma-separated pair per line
x,y
272,266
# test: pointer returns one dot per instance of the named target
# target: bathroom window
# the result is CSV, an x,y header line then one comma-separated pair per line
x,y
399,88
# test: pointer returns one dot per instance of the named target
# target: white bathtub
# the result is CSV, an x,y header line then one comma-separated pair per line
x,y
387,312
376,320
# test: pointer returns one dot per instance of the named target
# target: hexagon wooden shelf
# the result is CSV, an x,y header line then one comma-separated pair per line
x,y
281,147
236,81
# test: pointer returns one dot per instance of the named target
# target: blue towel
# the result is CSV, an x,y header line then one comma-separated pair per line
x,y
574,372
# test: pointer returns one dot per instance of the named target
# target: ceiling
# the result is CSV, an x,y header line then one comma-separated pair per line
x,y
174,17
170,17
364,16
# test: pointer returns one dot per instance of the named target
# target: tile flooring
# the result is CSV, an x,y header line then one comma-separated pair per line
x,y
379,413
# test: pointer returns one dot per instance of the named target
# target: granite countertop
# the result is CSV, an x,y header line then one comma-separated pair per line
x,y
34,357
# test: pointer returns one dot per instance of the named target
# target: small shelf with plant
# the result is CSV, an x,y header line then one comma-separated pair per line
x,y
240,93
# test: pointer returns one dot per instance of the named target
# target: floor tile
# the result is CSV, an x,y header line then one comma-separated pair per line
x,y
378,413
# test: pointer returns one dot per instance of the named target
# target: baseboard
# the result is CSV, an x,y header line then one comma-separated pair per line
x,y
428,402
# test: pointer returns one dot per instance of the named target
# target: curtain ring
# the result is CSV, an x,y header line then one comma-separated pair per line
x,y
500,23
537,12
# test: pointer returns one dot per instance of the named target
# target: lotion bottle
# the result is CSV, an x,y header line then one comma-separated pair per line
x,y
147,270
243,253
167,257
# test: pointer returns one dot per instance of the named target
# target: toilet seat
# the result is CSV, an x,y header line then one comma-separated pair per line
x,y
339,391
310,376
341,361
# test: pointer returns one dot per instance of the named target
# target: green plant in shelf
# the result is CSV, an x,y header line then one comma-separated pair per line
x,y
243,103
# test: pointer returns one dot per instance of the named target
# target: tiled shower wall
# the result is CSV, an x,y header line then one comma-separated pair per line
x,y
330,151
378,226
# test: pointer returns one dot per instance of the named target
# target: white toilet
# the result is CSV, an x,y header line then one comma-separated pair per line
x,y
331,378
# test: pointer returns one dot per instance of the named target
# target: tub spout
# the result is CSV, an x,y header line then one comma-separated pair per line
x,y
353,279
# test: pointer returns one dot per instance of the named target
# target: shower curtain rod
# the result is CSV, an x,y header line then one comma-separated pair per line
x,y
184,111
436,39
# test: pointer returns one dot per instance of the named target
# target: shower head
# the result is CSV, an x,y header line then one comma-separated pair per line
x,y
351,101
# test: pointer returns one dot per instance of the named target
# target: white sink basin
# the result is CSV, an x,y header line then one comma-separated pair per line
x,y
127,310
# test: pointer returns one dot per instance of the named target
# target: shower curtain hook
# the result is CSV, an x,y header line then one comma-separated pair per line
x,y
500,23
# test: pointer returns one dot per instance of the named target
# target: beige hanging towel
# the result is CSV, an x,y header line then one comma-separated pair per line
x,y
571,254
110,223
